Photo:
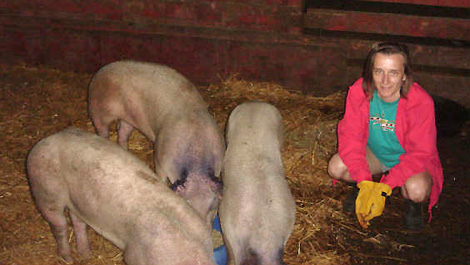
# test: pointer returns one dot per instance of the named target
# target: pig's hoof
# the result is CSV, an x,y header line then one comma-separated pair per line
x,y
86,256
66,259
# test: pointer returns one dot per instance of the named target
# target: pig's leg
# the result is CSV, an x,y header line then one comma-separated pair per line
x,y
173,151
132,254
59,227
230,258
166,167
79,227
238,256
160,172
124,131
234,250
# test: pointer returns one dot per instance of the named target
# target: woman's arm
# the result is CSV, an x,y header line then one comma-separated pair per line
x,y
353,133
416,132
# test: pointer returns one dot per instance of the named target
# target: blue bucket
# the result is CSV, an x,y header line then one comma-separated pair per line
x,y
220,253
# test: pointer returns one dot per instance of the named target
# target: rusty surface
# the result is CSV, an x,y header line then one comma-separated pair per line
x,y
262,40
393,24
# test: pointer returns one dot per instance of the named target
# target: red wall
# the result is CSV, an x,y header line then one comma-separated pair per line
x,y
207,40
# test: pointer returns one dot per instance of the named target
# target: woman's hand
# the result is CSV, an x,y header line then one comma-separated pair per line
x,y
370,201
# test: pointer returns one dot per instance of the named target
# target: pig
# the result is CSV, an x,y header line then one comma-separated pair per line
x,y
257,211
167,108
116,194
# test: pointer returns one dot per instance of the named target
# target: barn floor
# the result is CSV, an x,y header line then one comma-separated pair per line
x,y
37,102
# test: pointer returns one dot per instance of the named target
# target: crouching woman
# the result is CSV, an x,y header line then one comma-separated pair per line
x,y
388,129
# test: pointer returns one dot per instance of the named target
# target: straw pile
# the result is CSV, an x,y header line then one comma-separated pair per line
x,y
38,102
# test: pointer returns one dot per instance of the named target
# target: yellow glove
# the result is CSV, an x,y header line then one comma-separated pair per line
x,y
370,201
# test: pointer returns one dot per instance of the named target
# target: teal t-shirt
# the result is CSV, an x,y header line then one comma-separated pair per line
x,y
382,140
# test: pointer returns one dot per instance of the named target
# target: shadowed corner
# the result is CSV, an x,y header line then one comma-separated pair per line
x,y
451,117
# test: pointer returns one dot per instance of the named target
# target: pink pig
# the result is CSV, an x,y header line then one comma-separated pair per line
x,y
257,211
168,109
119,196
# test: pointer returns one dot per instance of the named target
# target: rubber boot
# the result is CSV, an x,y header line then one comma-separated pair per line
x,y
414,219
349,203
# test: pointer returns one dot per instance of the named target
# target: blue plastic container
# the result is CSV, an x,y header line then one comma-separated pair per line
x,y
220,253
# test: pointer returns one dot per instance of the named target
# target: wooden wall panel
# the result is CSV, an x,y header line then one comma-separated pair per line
x,y
447,3
263,40
391,24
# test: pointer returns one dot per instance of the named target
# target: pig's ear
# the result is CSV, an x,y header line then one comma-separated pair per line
x,y
217,186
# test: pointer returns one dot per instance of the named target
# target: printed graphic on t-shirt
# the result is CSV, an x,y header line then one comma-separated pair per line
x,y
386,125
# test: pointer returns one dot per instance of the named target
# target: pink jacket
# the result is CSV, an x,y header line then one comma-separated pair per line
x,y
415,129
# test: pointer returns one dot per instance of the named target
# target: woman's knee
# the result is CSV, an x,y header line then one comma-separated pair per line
x,y
418,188
336,168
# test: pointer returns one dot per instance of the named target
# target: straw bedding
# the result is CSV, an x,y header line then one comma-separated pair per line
x,y
37,102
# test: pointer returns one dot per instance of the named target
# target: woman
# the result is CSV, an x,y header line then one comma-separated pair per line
x,y
388,127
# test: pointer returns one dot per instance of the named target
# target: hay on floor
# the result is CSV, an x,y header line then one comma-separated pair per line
x,y
37,102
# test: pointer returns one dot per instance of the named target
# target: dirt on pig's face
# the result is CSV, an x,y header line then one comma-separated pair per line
x,y
203,192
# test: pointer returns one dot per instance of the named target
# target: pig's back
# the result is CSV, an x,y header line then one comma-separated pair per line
x,y
256,126
156,84
254,179
254,139
146,95
110,189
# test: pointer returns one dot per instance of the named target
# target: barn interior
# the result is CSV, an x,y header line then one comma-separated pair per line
x,y
301,56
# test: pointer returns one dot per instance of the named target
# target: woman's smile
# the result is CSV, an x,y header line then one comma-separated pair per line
x,y
388,75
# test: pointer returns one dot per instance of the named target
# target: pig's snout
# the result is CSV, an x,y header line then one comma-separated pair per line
x,y
202,192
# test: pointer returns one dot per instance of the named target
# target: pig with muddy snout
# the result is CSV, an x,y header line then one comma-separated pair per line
x,y
119,196
257,211
167,108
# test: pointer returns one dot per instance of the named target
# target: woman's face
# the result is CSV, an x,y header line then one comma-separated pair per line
x,y
388,74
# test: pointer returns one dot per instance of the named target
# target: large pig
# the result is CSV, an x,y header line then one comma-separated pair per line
x,y
119,196
167,108
257,211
